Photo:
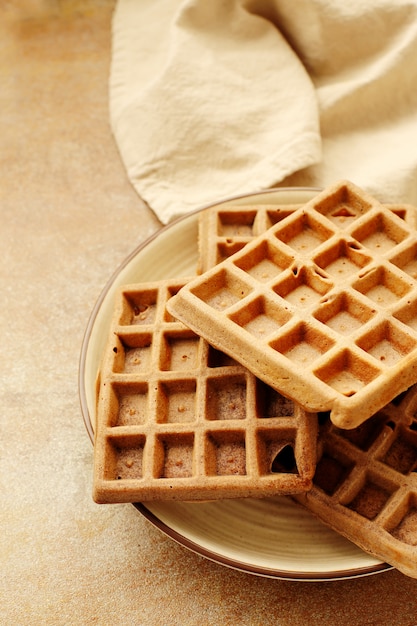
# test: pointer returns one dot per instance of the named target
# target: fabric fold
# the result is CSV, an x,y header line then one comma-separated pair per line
x,y
216,99
214,103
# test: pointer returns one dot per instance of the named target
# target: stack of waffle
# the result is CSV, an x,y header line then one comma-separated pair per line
x,y
287,366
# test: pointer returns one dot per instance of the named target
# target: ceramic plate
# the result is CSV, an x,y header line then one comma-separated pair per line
x,y
272,537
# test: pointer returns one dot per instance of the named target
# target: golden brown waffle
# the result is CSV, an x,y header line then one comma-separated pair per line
x,y
322,306
176,419
227,228
365,485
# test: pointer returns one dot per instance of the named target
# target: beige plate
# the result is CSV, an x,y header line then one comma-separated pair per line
x,y
272,537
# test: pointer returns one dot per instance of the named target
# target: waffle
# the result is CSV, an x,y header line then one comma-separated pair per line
x,y
177,419
227,228
322,306
365,486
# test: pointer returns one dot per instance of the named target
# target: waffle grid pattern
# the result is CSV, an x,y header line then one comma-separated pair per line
x,y
180,420
365,484
322,306
227,229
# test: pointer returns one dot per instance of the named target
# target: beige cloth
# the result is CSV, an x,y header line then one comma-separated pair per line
x,y
211,99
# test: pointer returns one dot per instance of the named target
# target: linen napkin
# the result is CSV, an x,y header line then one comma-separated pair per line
x,y
216,98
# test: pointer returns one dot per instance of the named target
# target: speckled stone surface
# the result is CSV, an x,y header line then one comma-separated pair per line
x,y
69,217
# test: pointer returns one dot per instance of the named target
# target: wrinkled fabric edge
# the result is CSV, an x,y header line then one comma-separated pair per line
x,y
303,152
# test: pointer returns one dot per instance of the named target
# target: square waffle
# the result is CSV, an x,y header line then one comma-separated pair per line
x,y
322,306
365,486
177,419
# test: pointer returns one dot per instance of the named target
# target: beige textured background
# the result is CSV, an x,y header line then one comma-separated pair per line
x,y
68,218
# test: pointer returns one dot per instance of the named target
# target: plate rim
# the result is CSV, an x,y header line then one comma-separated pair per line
x,y
242,566
250,568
